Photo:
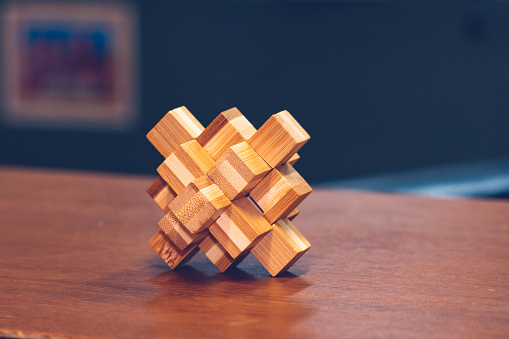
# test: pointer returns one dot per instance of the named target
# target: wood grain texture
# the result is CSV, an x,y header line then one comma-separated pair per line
x,y
280,192
218,255
238,170
281,247
177,233
227,129
169,252
293,214
199,204
162,193
240,227
188,162
279,138
294,159
74,260
176,127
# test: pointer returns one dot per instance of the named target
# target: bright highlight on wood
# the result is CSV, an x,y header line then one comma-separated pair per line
x,y
229,189
280,192
188,162
239,170
177,126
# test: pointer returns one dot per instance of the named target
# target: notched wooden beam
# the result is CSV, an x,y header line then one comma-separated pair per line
x,y
280,192
175,128
281,247
238,170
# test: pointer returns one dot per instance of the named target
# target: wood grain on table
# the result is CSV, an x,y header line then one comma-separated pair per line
x,y
75,261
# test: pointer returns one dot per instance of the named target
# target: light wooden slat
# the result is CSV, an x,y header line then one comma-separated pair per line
x,y
177,233
280,192
293,214
228,129
175,128
218,255
199,204
240,227
281,247
238,171
162,193
294,159
188,162
169,252
279,138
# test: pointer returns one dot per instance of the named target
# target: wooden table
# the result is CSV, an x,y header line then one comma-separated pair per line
x,y
74,261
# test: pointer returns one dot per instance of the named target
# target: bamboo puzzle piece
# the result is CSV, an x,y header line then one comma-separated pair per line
x,y
177,126
162,193
199,204
238,171
228,129
169,252
177,233
294,159
293,214
281,247
226,208
280,192
218,255
279,139
188,162
240,227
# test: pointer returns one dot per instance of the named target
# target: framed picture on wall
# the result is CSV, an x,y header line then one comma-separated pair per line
x,y
69,65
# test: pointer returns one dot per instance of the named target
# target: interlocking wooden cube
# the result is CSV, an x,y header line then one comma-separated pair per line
x,y
238,170
169,252
218,255
199,204
188,162
279,139
280,192
177,127
281,247
229,190
162,193
228,129
240,227
178,234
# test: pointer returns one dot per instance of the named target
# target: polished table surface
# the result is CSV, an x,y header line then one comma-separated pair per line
x,y
75,261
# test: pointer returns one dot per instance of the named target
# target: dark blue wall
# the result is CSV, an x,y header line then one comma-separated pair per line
x,y
378,86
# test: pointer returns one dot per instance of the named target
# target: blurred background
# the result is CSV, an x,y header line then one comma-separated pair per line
x,y
402,96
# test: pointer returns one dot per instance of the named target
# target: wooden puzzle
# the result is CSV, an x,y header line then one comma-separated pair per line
x,y
229,189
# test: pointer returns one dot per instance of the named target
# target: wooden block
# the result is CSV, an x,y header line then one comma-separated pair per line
x,y
293,214
171,253
175,128
162,193
238,170
280,192
218,255
188,162
281,247
199,204
240,227
279,139
294,159
228,129
177,233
